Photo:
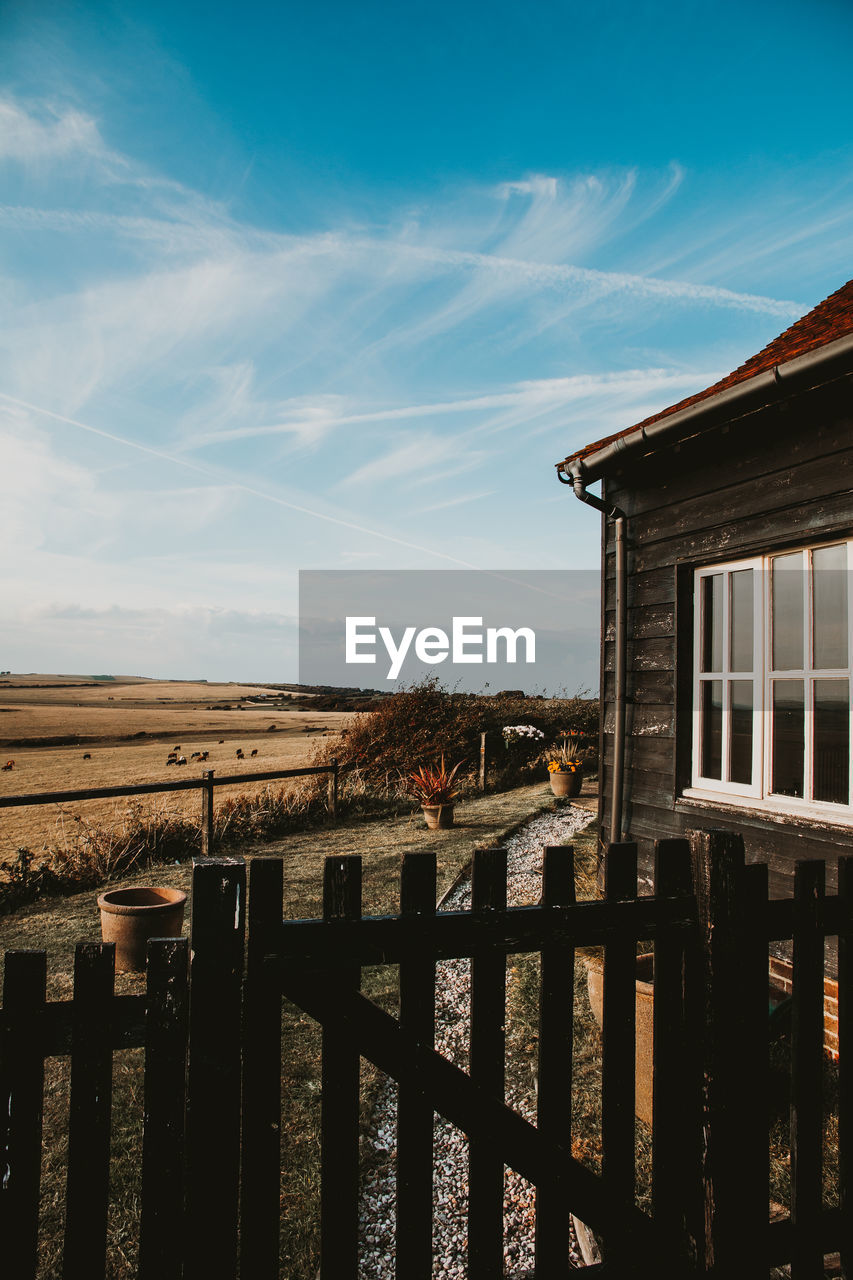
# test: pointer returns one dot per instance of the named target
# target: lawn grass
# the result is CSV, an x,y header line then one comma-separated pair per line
x,y
57,924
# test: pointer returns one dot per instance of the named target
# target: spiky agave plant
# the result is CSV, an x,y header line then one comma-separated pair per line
x,y
433,786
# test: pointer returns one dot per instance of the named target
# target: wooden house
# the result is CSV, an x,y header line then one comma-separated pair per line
x,y
726,613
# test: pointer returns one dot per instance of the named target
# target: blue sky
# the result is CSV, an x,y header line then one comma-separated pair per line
x,y
334,285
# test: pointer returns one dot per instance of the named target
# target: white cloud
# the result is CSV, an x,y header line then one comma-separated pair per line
x,y
46,132
519,402
462,500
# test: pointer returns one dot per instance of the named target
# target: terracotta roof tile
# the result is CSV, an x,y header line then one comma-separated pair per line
x,y
830,319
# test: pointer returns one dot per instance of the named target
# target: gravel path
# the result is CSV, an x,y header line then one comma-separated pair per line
x,y
377,1217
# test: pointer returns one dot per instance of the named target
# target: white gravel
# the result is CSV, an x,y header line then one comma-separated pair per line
x,y
450,1184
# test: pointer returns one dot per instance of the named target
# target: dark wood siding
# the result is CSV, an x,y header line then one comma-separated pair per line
x,y
782,476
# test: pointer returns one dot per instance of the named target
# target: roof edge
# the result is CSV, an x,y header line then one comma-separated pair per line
x,y
753,393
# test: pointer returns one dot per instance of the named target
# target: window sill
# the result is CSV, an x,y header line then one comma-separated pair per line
x,y
810,815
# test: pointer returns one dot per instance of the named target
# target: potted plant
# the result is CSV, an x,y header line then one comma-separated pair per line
x,y
565,766
433,787
525,736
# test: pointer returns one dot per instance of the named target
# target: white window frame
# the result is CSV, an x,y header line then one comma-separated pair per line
x,y
758,795
726,675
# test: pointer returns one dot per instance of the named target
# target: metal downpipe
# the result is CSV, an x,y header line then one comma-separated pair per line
x,y
620,660
619,670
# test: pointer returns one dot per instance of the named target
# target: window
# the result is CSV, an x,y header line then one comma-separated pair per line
x,y
772,681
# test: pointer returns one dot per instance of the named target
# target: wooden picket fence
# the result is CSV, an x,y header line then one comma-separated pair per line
x,y
207,784
211,1030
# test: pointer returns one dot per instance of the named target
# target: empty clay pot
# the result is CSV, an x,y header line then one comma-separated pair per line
x,y
129,917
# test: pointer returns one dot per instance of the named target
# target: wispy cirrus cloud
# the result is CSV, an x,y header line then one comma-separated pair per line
x,y
44,131
461,500
212,403
500,410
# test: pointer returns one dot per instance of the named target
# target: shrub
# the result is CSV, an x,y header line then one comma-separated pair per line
x,y
419,724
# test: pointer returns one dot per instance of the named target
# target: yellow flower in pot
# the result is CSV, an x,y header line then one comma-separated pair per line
x,y
434,789
565,766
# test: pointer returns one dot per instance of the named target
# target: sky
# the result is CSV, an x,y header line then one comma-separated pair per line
x,y
334,285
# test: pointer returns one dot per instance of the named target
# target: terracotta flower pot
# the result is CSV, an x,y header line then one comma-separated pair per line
x,y
566,784
129,917
645,1013
438,815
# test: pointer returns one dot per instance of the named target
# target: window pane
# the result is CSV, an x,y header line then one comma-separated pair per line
x,y
740,749
787,589
832,741
712,623
712,728
830,606
788,737
741,615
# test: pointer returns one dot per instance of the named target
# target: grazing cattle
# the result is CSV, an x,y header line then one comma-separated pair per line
x,y
221,740
240,755
87,755
177,748
195,755
172,760
181,760
204,755
255,752
10,764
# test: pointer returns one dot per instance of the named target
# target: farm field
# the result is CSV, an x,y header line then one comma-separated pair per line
x,y
49,723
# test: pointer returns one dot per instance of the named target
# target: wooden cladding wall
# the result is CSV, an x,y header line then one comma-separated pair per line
x,y
782,476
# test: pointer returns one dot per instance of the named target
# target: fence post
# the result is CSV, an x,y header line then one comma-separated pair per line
x,y
618,1045
21,1109
339,1083
260,1202
486,1068
414,1107
483,768
333,790
89,1112
207,814
162,1209
807,1068
676,1173
556,1038
845,1060
213,1112
728,984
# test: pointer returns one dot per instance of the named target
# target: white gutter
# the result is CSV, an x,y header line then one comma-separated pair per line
x,y
755,392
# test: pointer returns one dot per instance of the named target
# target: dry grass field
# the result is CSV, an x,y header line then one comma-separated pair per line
x,y
127,727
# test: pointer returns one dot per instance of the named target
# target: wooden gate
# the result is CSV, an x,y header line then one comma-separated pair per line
x,y
316,965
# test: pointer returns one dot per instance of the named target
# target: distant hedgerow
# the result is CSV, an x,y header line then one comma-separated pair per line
x,y
421,723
